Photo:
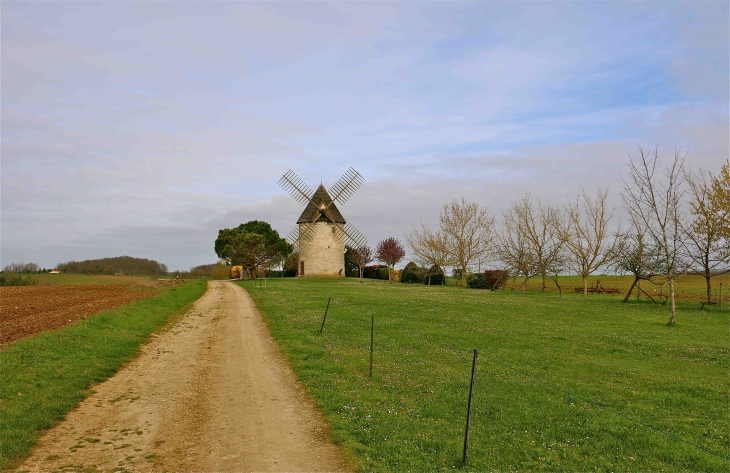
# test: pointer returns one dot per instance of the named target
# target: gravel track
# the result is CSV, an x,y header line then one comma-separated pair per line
x,y
211,393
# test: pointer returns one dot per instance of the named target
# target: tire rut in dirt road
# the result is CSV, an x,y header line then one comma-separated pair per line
x,y
212,393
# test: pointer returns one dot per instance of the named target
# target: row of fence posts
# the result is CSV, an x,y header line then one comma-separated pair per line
x,y
471,384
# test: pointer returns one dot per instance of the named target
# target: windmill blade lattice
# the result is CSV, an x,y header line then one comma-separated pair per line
x,y
347,185
291,183
352,235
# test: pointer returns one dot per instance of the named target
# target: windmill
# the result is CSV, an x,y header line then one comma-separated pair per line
x,y
322,231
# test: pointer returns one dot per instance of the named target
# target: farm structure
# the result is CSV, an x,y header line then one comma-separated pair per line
x,y
322,232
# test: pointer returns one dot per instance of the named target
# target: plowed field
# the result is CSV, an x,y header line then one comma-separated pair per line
x,y
28,310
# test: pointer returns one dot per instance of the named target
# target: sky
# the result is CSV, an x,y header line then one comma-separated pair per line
x,y
143,128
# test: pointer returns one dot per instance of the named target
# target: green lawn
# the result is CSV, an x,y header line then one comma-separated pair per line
x,y
45,376
534,349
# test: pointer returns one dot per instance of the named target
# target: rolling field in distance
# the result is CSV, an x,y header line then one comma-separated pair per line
x,y
45,279
573,383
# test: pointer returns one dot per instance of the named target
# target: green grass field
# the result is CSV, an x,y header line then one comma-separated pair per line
x,y
46,376
534,350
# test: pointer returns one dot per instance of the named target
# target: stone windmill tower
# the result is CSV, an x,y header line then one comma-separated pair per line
x,y
322,231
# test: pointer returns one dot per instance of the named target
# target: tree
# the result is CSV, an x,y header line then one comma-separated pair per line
x,y
390,252
513,250
537,233
585,234
252,244
656,203
291,263
429,249
721,200
360,257
468,231
638,254
704,229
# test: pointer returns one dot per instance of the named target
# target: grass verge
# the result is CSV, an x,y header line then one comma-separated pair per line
x,y
46,376
410,415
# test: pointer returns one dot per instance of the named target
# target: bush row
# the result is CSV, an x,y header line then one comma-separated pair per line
x,y
490,279
413,274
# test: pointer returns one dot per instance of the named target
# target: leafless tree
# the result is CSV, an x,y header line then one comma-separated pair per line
x,y
513,249
704,228
361,257
721,200
469,232
429,249
655,201
586,236
539,229
637,254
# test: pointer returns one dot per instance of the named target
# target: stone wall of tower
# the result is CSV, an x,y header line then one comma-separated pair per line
x,y
324,254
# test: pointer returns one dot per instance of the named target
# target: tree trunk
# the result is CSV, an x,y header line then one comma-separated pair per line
x,y
585,285
523,286
709,287
544,284
673,310
628,294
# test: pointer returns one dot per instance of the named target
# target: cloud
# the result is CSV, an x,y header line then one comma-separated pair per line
x,y
146,127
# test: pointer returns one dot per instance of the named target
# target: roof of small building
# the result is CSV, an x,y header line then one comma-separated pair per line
x,y
321,200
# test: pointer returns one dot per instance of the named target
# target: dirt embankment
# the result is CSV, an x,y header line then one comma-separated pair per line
x,y
212,393
28,310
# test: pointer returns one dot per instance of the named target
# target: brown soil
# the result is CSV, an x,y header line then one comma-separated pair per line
x,y
28,310
212,393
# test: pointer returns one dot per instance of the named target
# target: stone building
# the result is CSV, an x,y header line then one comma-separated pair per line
x,y
321,239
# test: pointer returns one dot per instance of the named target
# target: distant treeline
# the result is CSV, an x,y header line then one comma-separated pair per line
x,y
120,265
204,270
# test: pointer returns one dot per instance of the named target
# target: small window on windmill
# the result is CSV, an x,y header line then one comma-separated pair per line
x,y
333,229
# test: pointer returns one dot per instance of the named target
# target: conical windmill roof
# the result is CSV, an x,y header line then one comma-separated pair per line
x,y
319,199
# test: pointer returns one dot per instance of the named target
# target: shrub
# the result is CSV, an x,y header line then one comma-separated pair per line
x,y
436,275
382,273
352,273
17,280
412,273
477,281
370,272
496,278
220,271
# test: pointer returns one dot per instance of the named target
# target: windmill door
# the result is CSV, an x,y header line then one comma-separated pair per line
x,y
301,268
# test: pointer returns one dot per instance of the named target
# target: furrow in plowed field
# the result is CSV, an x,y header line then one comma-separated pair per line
x,y
28,310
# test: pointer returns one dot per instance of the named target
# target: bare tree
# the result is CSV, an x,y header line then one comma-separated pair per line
x,y
513,249
469,232
585,233
390,251
637,254
361,257
721,200
704,238
429,249
656,204
540,229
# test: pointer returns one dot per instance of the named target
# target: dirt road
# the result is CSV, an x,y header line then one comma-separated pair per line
x,y
212,393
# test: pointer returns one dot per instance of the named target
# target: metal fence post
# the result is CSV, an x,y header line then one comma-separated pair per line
x,y
468,410
325,314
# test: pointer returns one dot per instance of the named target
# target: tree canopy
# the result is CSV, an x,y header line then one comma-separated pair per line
x,y
252,244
